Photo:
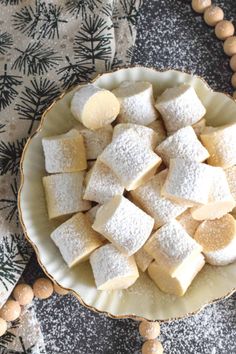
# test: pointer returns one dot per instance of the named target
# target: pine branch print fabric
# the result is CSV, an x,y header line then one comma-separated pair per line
x,y
46,46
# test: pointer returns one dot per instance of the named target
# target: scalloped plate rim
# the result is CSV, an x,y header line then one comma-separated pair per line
x,y
22,181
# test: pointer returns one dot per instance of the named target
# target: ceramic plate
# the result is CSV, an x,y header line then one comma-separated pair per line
x,y
143,299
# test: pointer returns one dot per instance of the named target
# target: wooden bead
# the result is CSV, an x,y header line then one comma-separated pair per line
x,y
60,290
224,29
43,288
200,6
3,327
149,330
233,80
10,311
23,293
230,46
213,15
233,62
152,347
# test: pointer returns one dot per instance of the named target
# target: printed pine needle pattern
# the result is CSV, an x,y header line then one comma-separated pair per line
x,y
36,59
46,47
8,84
38,95
6,42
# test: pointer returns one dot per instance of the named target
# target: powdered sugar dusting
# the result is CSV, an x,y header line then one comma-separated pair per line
x,y
231,177
76,239
171,244
220,199
185,144
150,198
147,135
64,153
180,107
128,158
188,181
108,263
224,256
136,103
64,193
102,184
128,227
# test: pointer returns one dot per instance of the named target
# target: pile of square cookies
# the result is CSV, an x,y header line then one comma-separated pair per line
x,y
142,183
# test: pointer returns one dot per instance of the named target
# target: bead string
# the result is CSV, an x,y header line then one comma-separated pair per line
x,y
150,331
224,30
22,295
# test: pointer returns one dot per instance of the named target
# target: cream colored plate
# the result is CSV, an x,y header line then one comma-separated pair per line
x,y
143,299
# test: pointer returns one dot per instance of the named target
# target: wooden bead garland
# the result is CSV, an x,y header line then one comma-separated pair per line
x,y
152,347
230,46
43,288
200,6
224,30
149,330
10,311
213,15
23,295
233,80
233,62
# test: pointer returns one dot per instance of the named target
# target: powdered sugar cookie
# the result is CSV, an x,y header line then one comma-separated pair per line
x,y
112,269
136,102
124,224
180,107
76,239
94,107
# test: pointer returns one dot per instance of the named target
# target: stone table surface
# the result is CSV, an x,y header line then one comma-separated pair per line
x,y
169,35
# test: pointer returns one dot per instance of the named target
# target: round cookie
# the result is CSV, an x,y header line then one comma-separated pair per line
x,y
94,107
218,240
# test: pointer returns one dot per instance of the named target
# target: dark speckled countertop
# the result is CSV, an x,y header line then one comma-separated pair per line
x,y
169,35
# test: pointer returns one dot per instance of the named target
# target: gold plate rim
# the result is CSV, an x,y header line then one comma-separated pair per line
x,y
22,181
